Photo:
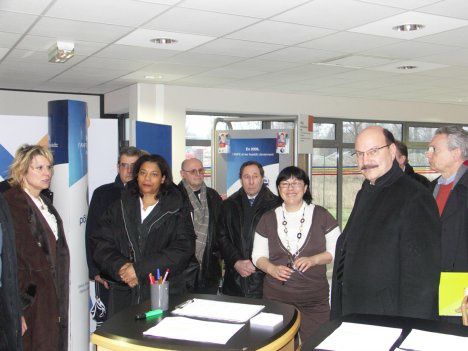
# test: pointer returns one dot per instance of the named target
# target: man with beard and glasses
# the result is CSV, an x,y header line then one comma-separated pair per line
x,y
387,259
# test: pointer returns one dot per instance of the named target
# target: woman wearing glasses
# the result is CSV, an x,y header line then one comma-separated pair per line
x,y
149,228
42,251
292,244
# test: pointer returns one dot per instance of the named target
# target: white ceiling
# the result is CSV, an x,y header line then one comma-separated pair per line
x,y
317,47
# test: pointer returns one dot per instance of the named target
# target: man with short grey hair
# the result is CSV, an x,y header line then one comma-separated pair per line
x,y
447,152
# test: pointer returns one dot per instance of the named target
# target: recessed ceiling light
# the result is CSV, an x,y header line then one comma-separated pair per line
x,y
61,52
154,77
163,41
407,67
408,27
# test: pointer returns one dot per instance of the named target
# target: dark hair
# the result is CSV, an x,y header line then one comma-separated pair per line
x,y
163,167
298,173
389,138
251,163
402,149
130,151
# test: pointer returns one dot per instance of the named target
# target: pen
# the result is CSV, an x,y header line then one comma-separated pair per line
x,y
183,304
158,275
165,276
150,314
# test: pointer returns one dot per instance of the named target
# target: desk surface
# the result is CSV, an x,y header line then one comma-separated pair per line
x,y
397,322
123,332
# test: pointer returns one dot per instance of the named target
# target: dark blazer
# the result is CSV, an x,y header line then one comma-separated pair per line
x,y
43,277
103,197
236,240
10,306
211,266
455,228
165,239
391,245
409,171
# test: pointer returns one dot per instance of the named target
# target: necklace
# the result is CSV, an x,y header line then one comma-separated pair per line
x,y
299,234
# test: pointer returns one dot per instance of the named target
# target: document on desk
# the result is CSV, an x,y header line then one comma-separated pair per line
x,y
217,310
428,341
360,337
182,328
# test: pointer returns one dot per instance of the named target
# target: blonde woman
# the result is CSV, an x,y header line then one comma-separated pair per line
x,y
42,251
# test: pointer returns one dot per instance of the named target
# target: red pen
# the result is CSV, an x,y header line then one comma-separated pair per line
x,y
151,279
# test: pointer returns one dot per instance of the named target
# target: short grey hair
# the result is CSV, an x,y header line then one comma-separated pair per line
x,y
130,151
457,137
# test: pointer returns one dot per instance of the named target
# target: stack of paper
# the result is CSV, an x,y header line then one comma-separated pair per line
x,y
218,310
428,341
266,320
360,337
182,328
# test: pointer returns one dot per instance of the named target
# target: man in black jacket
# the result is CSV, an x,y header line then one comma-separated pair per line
x,y
242,211
402,159
447,152
387,258
10,306
204,271
101,200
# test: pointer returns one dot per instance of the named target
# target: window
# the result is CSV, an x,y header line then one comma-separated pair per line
x,y
421,134
352,128
324,178
324,131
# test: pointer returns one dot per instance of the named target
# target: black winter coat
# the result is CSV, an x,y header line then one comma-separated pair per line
x,y
391,245
103,197
165,239
210,273
455,228
236,240
10,306
409,171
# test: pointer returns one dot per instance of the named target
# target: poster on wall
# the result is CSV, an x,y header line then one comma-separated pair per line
x,y
282,143
261,150
223,143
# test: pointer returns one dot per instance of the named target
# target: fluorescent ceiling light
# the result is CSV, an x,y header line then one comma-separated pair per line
x,y
61,52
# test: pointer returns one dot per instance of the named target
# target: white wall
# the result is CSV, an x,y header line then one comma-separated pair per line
x,y
178,100
25,103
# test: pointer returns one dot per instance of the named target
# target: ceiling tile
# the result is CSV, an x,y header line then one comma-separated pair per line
x,y
118,12
201,81
449,8
7,40
113,63
63,29
343,14
458,57
73,87
455,37
402,4
38,43
164,2
108,87
448,72
33,7
279,33
142,37
228,72
256,64
171,68
358,61
15,22
409,49
433,24
139,76
303,55
233,47
3,52
252,8
198,22
421,66
348,42
205,60
40,57
127,52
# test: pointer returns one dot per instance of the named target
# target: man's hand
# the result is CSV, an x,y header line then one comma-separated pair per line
x,y
24,326
102,281
244,267
128,275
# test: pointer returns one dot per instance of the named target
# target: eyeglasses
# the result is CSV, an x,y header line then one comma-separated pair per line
x,y
200,171
293,185
40,169
431,150
126,165
369,153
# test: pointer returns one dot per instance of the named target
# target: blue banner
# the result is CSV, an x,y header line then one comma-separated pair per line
x,y
155,138
241,150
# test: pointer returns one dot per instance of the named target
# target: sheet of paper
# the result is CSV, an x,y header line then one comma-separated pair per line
x,y
182,328
428,341
218,310
360,337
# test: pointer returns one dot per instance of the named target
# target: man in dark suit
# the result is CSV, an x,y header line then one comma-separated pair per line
x,y
387,258
204,271
446,154
402,159
101,200
241,213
